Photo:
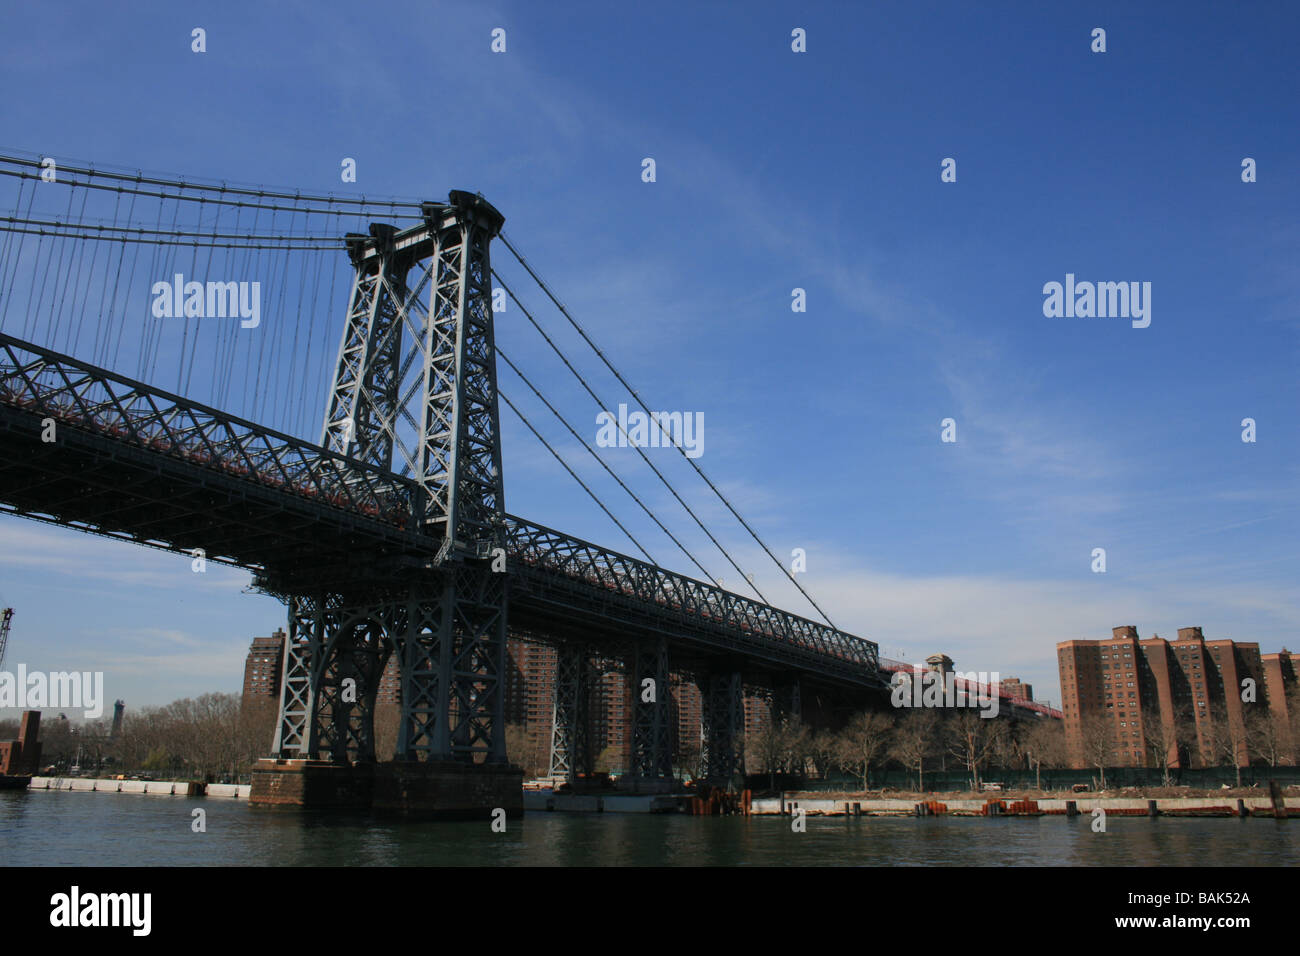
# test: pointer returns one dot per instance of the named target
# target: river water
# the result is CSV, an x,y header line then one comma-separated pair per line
x,y
44,828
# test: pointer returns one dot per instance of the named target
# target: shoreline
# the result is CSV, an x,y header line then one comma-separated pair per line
x,y
1146,802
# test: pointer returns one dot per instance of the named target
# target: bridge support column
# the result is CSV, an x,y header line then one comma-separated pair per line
x,y
723,696
453,651
334,654
651,757
571,717
449,636
296,729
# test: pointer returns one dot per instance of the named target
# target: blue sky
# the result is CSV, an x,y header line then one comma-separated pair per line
x,y
777,170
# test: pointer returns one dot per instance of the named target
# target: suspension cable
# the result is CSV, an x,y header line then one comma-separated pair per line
x,y
332,240
604,464
631,443
623,381
224,202
139,177
575,477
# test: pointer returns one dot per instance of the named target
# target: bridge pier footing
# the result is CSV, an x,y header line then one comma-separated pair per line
x,y
434,790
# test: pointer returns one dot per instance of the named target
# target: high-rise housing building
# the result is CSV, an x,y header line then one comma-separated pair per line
x,y
390,684
1280,671
1190,701
262,668
1015,687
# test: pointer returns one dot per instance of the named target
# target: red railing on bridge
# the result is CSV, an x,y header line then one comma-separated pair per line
x,y
973,688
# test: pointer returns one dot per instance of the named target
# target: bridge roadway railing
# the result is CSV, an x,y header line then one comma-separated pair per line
x,y
81,396
691,606
975,690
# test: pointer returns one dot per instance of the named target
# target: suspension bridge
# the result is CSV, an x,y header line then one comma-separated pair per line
x,y
122,293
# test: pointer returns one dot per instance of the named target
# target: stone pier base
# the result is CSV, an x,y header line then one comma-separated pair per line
x,y
443,791
448,790
311,785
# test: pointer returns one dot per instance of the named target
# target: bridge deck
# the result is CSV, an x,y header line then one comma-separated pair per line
x,y
133,462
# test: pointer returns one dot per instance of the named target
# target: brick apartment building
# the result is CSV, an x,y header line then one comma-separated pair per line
x,y
1144,690
263,667
1015,687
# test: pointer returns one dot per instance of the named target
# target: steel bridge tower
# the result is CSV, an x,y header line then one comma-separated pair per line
x,y
414,392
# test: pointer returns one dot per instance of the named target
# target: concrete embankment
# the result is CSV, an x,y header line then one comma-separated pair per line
x,y
163,788
600,803
1206,806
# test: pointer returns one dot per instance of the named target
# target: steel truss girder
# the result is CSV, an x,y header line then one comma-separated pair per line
x,y
677,605
651,751
723,727
571,716
335,653
89,399
153,422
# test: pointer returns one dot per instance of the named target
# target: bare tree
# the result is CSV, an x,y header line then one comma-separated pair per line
x,y
1266,734
781,747
257,720
517,749
1043,742
822,749
1161,739
915,738
971,739
1228,738
1293,720
692,758
864,739
1007,750
205,737
1097,735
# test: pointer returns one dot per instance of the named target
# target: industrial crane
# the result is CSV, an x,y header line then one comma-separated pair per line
x,y
5,617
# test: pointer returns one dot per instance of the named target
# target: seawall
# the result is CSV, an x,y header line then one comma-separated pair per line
x,y
163,788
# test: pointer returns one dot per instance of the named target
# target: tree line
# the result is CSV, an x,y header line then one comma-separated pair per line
x,y
215,736
210,737
914,740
